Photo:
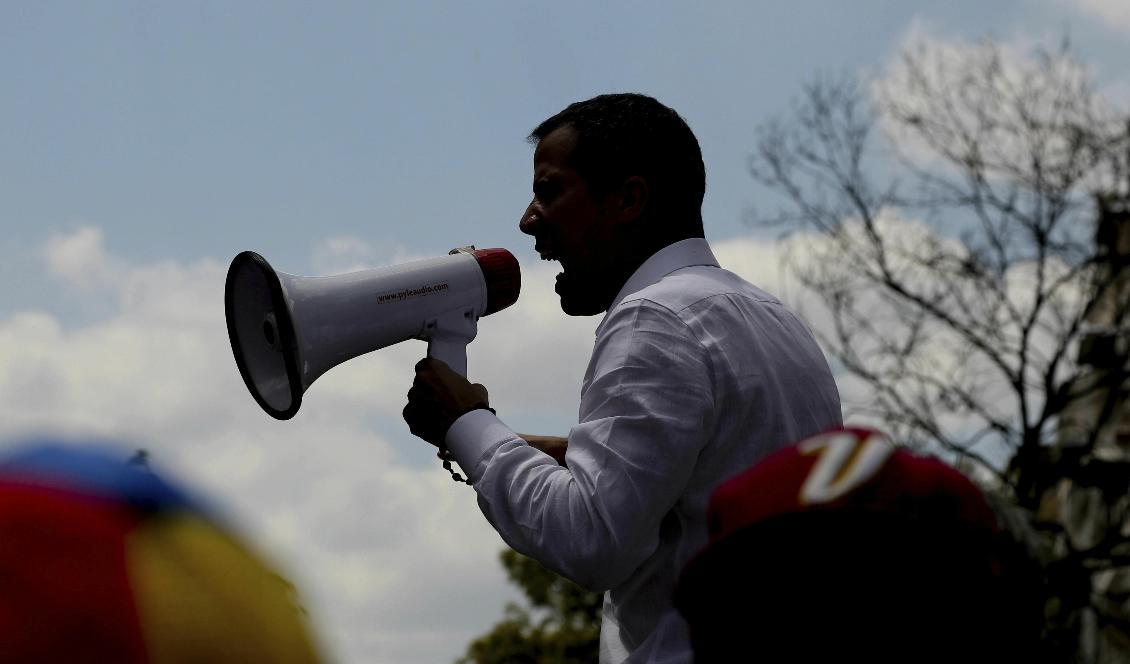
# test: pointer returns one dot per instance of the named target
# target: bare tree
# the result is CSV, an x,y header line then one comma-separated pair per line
x,y
964,225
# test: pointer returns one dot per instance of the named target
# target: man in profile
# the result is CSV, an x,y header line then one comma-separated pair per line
x,y
695,374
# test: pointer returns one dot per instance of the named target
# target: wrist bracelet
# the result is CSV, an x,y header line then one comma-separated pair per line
x,y
445,455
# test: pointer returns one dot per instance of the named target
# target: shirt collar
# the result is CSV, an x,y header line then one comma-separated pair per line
x,y
675,256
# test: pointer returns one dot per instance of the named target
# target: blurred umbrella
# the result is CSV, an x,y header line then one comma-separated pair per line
x,y
103,560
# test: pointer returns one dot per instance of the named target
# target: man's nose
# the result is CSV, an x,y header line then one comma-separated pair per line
x,y
528,224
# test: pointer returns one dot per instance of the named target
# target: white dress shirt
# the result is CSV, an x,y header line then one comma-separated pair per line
x,y
694,376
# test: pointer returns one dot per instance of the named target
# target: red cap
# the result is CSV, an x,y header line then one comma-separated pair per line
x,y
854,468
845,476
843,544
503,277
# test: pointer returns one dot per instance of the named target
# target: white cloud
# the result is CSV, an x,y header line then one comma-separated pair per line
x,y
911,250
755,261
1115,14
972,96
79,258
341,254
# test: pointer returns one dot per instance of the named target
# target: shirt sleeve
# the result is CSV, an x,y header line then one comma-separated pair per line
x,y
646,412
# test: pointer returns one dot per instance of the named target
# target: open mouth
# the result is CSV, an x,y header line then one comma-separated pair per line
x,y
547,249
548,254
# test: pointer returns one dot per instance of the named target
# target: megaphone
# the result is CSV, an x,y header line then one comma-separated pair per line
x,y
287,330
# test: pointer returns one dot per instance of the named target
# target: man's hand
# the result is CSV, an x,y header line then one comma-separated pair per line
x,y
438,397
554,446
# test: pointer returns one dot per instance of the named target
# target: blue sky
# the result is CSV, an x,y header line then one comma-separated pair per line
x,y
143,145
201,129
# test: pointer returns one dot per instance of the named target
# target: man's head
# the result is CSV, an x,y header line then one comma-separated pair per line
x,y
844,547
616,178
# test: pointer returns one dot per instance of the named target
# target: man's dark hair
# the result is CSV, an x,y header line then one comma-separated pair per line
x,y
621,135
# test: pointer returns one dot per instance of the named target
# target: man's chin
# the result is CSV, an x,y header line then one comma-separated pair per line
x,y
580,297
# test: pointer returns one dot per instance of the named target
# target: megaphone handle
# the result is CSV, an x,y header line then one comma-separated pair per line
x,y
451,350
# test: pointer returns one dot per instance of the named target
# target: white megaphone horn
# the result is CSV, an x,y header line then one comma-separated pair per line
x,y
287,330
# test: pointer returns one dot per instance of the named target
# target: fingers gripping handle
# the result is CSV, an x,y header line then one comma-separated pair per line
x,y
448,336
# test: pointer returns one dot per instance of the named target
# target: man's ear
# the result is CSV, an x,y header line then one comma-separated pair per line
x,y
634,195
